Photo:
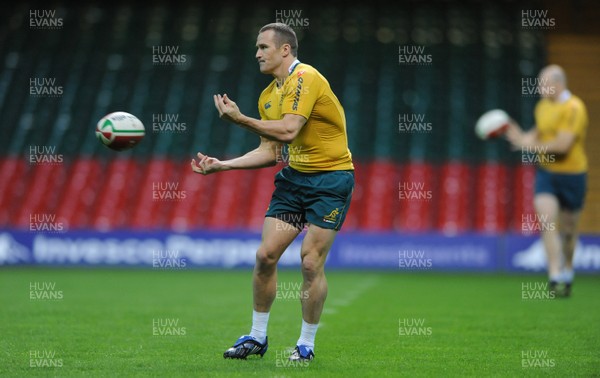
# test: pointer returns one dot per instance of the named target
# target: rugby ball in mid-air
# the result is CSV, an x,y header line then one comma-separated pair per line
x,y
492,124
120,130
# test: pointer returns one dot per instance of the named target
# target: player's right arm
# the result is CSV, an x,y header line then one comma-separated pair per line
x,y
559,145
520,138
265,155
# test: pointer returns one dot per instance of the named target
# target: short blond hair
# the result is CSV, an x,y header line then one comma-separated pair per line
x,y
283,34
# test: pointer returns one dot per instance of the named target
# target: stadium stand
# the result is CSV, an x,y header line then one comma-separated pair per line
x,y
104,60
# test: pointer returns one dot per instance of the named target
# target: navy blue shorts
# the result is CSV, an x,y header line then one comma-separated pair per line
x,y
569,189
321,198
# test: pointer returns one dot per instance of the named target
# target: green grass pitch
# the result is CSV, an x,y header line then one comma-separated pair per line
x,y
165,323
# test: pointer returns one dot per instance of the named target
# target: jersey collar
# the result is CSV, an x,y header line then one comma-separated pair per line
x,y
293,66
564,96
291,69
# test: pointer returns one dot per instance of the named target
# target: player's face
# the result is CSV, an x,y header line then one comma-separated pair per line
x,y
546,85
267,54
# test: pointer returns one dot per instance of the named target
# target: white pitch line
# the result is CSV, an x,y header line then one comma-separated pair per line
x,y
346,300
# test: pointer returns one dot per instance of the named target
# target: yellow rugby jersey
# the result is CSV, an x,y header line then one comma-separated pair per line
x,y
322,143
552,117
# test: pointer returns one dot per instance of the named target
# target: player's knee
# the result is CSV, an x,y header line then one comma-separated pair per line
x,y
311,265
568,227
546,207
266,257
569,237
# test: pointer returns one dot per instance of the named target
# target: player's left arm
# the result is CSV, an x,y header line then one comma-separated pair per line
x,y
283,130
561,144
518,137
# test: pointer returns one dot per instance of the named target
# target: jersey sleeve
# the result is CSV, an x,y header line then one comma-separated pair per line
x,y
261,104
302,94
536,115
261,111
573,120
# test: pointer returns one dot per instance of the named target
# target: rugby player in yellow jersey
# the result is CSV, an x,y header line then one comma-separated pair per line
x,y
560,181
298,108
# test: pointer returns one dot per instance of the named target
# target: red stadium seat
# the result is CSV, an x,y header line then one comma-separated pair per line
x,y
80,192
354,214
259,196
192,213
232,190
381,196
114,204
415,198
522,202
460,201
455,198
41,194
157,194
491,199
12,185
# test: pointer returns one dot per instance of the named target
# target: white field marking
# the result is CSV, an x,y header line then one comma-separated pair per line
x,y
349,297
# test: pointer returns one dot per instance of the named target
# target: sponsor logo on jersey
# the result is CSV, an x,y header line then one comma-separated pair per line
x,y
297,94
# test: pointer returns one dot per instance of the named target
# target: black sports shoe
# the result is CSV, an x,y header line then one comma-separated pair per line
x,y
552,289
246,346
302,353
567,290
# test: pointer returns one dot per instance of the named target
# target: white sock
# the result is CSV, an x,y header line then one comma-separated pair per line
x,y
259,325
307,335
568,275
555,277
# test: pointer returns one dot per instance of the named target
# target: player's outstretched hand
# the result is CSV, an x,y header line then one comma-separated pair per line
x,y
228,110
517,137
206,164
